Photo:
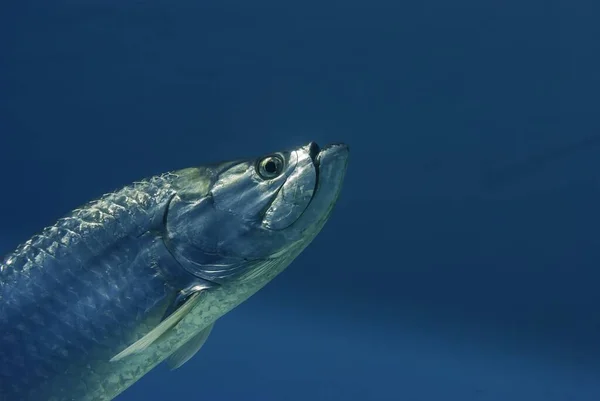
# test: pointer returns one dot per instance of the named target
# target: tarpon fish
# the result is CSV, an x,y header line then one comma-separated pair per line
x,y
140,276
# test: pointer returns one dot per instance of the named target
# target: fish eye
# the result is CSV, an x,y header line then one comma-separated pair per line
x,y
270,167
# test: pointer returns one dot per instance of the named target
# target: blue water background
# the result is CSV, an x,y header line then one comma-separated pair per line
x,y
461,262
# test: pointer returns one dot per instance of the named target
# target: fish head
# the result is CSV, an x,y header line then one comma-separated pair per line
x,y
235,219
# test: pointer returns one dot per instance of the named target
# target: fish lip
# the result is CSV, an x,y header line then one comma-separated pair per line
x,y
317,153
336,148
330,165
334,151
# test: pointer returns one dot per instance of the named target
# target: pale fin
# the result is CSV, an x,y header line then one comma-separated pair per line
x,y
189,349
161,329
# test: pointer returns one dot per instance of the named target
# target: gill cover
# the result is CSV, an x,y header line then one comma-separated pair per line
x,y
225,218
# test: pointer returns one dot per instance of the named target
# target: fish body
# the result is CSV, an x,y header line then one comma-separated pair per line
x,y
140,276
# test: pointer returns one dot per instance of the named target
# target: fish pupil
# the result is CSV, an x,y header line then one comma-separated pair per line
x,y
271,167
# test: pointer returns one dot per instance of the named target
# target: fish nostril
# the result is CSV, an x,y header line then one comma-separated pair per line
x,y
313,150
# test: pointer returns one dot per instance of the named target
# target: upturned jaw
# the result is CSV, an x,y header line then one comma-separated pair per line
x,y
331,163
335,153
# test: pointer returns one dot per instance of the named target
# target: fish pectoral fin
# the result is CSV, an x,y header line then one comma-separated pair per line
x,y
189,349
164,326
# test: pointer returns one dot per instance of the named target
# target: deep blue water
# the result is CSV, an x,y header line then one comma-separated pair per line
x,y
461,262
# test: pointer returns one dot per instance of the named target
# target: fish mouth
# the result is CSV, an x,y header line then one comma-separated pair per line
x,y
330,164
335,154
